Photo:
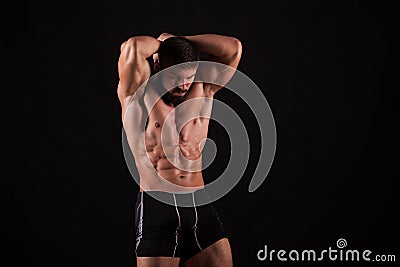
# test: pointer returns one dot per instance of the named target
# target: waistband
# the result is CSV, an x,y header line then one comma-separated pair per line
x,y
187,199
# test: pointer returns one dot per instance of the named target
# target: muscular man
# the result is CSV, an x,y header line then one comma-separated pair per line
x,y
169,154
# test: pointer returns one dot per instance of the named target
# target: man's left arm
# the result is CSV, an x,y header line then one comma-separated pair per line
x,y
222,49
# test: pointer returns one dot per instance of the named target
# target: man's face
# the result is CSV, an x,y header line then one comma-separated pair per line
x,y
177,83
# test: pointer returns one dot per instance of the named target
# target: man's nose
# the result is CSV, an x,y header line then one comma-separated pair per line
x,y
185,84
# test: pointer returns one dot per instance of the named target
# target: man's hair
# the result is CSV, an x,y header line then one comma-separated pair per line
x,y
176,50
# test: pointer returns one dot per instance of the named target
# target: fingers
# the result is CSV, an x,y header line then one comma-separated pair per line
x,y
155,57
164,36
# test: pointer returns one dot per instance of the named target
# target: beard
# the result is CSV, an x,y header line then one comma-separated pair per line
x,y
171,99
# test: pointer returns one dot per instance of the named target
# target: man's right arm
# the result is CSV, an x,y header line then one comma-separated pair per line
x,y
133,67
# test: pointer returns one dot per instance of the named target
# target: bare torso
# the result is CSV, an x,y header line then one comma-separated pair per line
x,y
173,142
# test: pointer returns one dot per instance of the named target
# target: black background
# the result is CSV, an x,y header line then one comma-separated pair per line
x,y
328,71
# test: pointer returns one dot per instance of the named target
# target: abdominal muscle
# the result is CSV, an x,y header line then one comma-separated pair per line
x,y
178,176
165,165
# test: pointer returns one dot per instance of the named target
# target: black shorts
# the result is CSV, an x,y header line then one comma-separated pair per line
x,y
174,231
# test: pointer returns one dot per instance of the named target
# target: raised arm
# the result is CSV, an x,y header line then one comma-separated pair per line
x,y
222,49
133,67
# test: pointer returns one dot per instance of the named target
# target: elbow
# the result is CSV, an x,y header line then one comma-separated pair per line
x,y
131,46
130,50
238,48
131,43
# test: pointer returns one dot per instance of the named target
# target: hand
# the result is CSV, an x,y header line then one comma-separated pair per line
x,y
156,62
164,36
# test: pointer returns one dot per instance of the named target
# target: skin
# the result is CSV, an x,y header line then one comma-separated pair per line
x,y
182,146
